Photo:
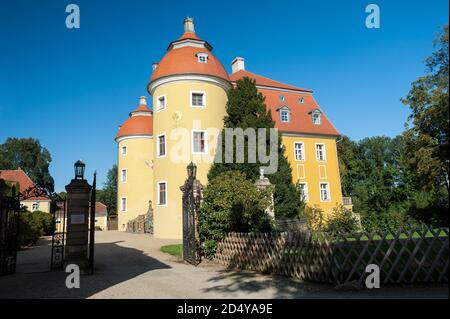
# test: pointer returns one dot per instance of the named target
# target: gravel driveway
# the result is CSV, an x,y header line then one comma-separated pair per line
x,y
131,266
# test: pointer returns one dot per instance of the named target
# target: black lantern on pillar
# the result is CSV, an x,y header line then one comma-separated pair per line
x,y
79,167
192,170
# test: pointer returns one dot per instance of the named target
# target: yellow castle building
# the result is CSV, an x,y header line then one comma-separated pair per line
x,y
189,94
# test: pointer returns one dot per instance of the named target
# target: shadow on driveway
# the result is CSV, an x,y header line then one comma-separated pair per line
x,y
114,264
283,287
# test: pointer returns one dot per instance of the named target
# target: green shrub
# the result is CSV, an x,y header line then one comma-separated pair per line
x,y
391,220
342,221
315,218
32,226
231,204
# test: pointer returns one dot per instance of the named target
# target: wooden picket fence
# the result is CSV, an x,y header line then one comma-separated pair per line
x,y
403,257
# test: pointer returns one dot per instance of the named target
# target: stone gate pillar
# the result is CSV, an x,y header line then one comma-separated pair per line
x,y
78,200
264,183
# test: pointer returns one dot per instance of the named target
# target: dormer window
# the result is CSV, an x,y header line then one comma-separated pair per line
x,y
316,117
282,98
301,100
285,114
202,57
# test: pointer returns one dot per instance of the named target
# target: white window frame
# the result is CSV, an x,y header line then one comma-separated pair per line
x,y
319,117
198,92
122,208
200,55
206,141
32,206
324,152
122,148
158,193
306,197
158,103
288,115
328,192
165,145
123,180
302,151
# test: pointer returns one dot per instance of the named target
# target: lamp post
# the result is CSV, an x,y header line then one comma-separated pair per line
x,y
79,167
192,170
78,200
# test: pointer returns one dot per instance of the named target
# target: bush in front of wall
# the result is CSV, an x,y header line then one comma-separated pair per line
x,y
231,203
33,225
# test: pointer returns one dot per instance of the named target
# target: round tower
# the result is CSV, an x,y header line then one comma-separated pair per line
x,y
134,164
188,87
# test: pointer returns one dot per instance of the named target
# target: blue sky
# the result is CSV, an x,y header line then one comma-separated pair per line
x,y
71,89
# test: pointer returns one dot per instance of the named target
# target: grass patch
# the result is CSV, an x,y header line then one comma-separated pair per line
x,y
174,250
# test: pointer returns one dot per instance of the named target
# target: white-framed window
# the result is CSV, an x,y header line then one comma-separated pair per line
x,y
123,175
123,204
161,145
162,193
299,151
199,142
317,118
325,195
202,57
321,152
34,207
303,187
161,103
285,115
198,99
123,150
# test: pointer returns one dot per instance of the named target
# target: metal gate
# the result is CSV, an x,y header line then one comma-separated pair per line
x,y
192,192
9,230
58,209
189,242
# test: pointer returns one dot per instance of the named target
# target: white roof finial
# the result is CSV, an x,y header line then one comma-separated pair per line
x,y
189,25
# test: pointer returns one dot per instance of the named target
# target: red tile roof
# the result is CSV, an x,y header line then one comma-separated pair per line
x,y
184,61
263,81
137,124
19,176
100,209
300,113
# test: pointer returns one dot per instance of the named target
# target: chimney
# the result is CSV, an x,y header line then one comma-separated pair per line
x,y
189,25
142,100
154,65
237,64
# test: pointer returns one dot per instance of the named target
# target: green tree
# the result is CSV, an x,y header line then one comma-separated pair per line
x,y
246,109
427,133
31,157
349,165
108,195
231,203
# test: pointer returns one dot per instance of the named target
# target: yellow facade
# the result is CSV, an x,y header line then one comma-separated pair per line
x,y
35,205
312,171
137,189
177,121
101,222
190,68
